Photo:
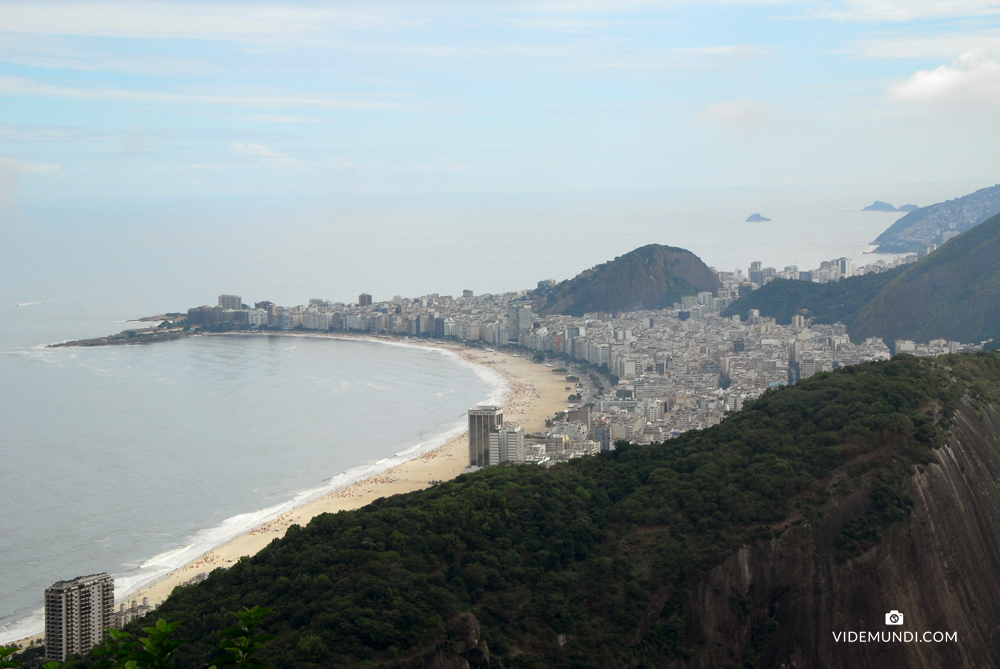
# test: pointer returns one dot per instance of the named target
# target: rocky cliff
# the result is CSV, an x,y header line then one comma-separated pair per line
x,y
780,602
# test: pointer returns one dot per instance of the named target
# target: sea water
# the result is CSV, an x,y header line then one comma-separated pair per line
x,y
137,459
133,460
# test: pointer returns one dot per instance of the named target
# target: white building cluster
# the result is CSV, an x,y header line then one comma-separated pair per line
x,y
643,376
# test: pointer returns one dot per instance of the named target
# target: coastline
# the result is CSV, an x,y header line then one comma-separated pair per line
x,y
532,394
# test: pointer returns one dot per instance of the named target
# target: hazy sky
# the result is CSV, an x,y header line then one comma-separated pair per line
x,y
112,99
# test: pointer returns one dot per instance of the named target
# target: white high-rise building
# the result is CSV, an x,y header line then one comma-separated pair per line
x,y
519,320
77,613
506,445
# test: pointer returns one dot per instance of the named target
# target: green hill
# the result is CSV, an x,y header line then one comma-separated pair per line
x,y
598,562
824,303
953,293
650,277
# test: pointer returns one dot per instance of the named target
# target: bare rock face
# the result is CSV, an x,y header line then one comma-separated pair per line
x,y
463,633
465,647
446,660
478,656
788,603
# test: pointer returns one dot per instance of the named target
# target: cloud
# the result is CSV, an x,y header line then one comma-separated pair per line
x,y
946,45
971,78
904,11
21,86
261,151
12,166
738,114
12,169
278,118
180,20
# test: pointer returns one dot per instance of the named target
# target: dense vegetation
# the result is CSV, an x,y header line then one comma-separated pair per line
x,y
559,565
953,293
155,648
650,277
836,302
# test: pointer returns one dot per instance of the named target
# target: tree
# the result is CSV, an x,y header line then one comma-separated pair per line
x,y
120,650
240,644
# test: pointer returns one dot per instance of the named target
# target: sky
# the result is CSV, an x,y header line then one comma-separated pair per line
x,y
112,100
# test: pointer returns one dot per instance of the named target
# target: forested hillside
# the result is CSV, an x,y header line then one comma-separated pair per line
x,y
592,563
650,277
835,302
953,293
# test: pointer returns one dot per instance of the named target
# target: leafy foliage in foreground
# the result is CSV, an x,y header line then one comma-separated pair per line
x,y
122,650
559,565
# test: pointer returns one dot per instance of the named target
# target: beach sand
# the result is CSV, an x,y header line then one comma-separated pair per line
x,y
536,393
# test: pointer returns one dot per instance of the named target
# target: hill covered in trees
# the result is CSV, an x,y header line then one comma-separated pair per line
x,y
835,302
650,277
953,293
627,559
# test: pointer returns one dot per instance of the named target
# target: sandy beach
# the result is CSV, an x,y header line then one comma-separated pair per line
x,y
535,394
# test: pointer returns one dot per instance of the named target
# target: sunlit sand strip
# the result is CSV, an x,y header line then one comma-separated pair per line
x,y
535,393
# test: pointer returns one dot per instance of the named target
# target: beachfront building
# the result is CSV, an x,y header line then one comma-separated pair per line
x,y
123,616
483,421
507,445
234,302
77,613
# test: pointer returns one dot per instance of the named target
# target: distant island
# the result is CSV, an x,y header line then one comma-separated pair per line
x,y
908,208
951,295
879,205
757,218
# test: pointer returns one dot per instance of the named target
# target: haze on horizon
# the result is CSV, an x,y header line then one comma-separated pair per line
x,y
109,100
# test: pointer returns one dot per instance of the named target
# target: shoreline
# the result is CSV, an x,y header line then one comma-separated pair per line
x,y
532,394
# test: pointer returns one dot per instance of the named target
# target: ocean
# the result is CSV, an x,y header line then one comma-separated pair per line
x,y
133,460
136,459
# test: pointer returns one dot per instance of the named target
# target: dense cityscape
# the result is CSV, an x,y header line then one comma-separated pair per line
x,y
642,376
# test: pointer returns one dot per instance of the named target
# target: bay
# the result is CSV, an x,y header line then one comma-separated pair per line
x,y
110,457
136,459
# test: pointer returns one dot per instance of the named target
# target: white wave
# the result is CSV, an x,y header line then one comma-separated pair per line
x,y
55,299
206,540
22,629
211,538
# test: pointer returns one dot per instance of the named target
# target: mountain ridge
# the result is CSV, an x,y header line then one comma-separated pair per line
x,y
745,544
933,223
953,293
